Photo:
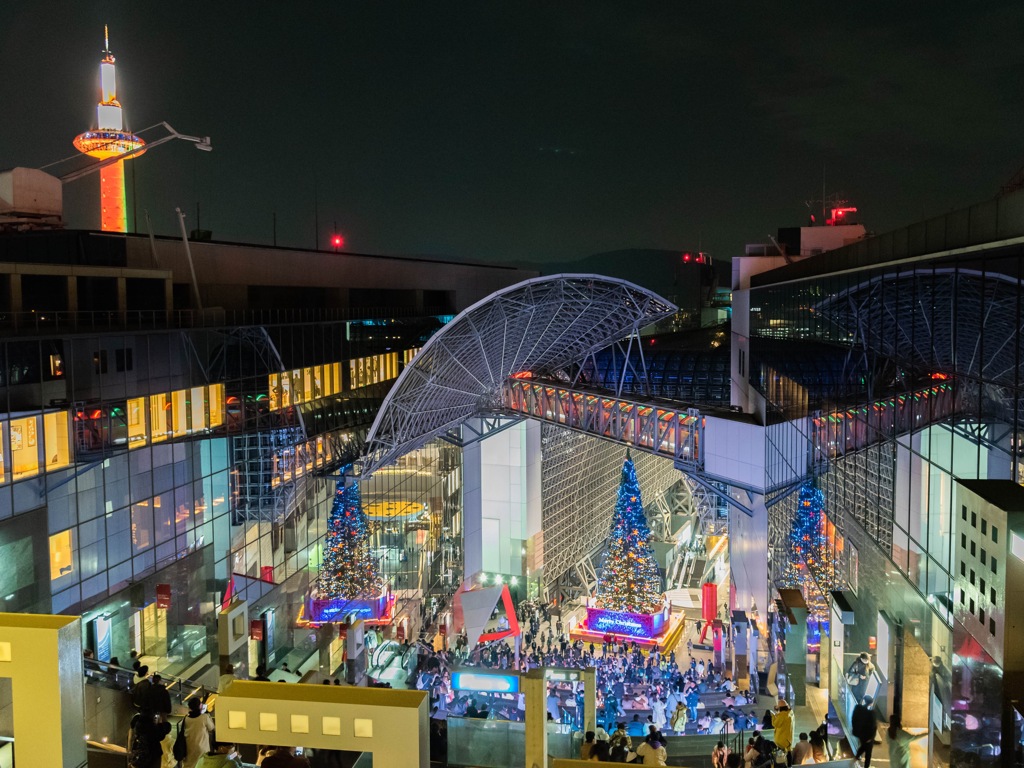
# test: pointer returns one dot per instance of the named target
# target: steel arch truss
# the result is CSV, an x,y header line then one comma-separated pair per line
x,y
536,328
958,321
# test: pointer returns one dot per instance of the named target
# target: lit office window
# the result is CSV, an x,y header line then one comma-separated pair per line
x,y
197,401
142,526
365,371
61,563
24,447
56,441
286,389
159,416
137,434
309,392
216,401
179,412
274,390
327,374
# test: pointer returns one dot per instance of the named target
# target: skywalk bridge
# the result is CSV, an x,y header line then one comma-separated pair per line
x,y
692,437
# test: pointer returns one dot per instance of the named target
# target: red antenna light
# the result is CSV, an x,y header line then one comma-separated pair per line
x,y
337,241
686,257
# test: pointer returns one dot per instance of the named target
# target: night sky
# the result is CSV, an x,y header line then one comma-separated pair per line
x,y
527,131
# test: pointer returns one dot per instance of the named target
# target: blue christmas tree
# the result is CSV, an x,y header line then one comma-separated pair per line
x,y
629,579
347,568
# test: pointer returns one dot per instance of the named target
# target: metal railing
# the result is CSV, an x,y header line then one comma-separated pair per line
x,y
62,321
109,708
653,426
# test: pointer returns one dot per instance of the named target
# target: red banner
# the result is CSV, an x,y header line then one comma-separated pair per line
x,y
267,573
709,601
163,596
256,629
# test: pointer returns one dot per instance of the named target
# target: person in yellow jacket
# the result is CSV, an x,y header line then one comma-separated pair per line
x,y
782,721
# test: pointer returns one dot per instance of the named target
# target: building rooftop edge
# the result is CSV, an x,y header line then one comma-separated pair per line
x,y
1005,494
282,248
992,222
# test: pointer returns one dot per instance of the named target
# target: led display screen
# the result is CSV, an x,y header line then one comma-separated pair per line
x,y
476,681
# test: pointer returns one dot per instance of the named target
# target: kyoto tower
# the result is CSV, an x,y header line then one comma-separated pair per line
x,y
107,140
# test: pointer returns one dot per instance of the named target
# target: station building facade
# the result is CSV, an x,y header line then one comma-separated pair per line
x,y
922,414
169,442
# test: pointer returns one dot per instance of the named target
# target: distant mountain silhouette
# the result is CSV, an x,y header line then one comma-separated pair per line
x,y
657,269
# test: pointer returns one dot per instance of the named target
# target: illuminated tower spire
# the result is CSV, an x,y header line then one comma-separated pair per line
x,y
107,140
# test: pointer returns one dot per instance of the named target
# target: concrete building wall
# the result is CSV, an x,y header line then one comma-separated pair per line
x,y
221,268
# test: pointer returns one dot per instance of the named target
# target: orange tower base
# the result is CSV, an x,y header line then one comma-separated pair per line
x,y
113,213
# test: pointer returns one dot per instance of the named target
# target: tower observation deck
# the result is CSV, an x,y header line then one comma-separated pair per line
x,y
109,139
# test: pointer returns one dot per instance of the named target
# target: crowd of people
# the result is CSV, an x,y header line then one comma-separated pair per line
x,y
651,688
155,742
642,696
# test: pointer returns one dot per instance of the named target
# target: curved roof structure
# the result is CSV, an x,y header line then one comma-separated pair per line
x,y
959,321
540,326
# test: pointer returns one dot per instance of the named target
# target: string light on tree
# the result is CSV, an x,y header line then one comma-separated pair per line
x,y
630,580
808,541
347,569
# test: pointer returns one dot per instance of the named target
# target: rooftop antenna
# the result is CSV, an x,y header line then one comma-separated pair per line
x,y
106,39
824,213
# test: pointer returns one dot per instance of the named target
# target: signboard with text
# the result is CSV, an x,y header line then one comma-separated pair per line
x,y
163,596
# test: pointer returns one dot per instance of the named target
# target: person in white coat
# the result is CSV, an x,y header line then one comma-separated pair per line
x,y
198,729
652,752
658,707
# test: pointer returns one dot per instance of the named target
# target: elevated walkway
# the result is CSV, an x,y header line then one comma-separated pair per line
x,y
713,443
652,425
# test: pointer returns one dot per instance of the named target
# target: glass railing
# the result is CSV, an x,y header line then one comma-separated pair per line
x,y
486,743
502,744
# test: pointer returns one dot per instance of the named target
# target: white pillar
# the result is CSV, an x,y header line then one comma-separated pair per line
x,y
748,556
501,499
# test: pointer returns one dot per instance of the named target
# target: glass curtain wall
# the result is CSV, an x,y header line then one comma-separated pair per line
x,y
143,451
929,392
937,349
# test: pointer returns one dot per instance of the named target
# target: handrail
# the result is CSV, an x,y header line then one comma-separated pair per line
x,y
111,672
103,746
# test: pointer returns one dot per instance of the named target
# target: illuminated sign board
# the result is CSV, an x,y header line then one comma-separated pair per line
x,y
485,683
